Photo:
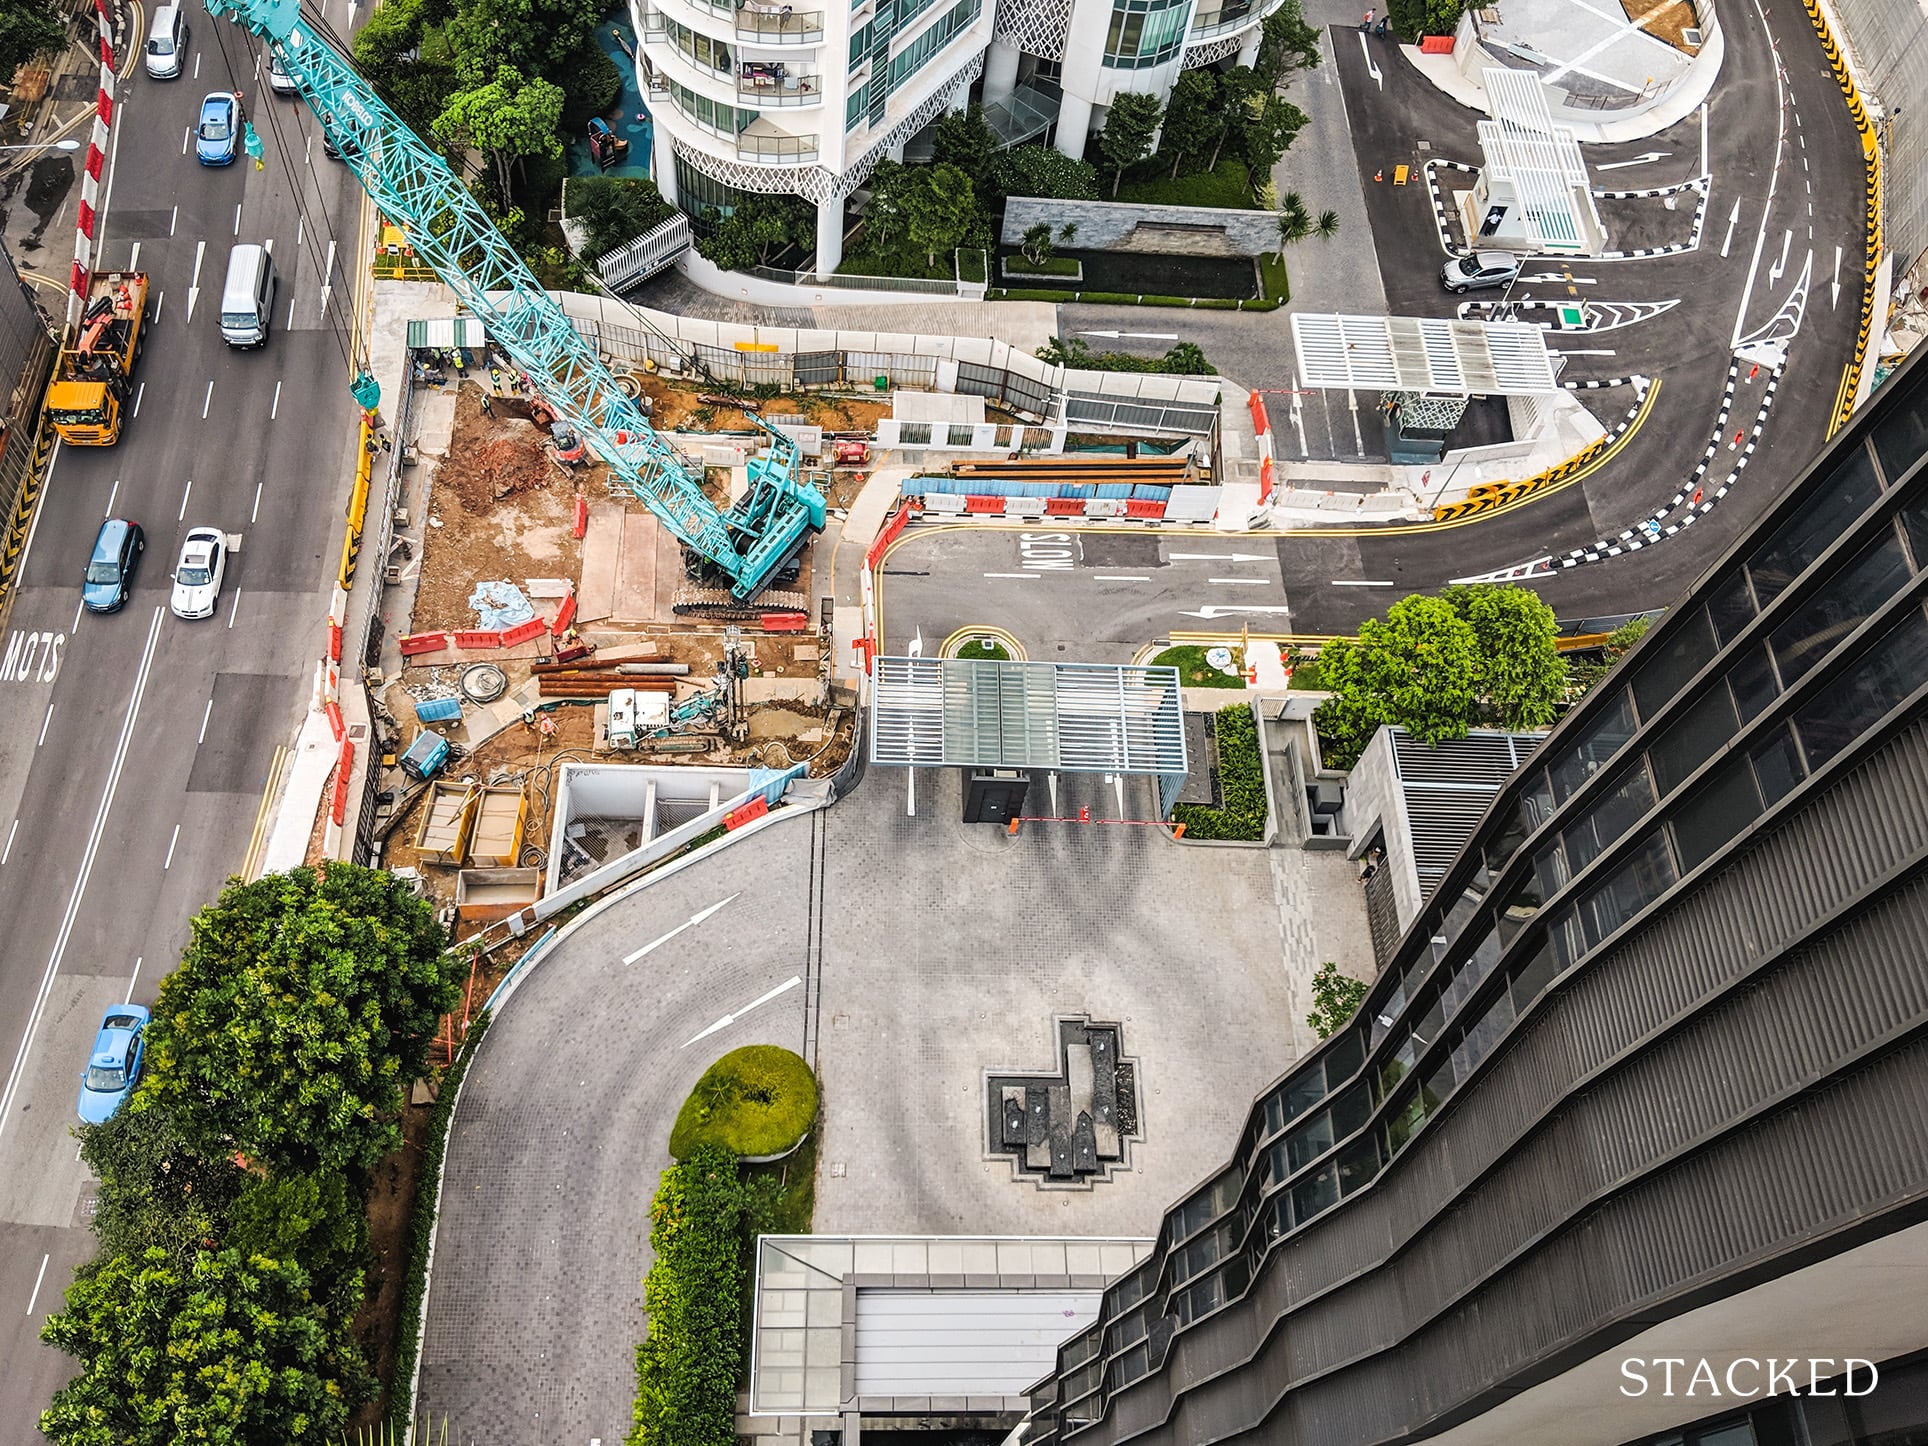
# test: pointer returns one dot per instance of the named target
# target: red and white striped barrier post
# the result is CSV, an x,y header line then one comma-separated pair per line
x,y
83,269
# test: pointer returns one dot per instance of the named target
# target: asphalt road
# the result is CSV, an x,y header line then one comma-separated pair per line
x,y
134,748
1782,224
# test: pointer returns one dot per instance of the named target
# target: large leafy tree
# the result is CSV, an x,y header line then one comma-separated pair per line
x,y
1266,127
940,211
542,37
965,140
159,1186
1522,676
1195,119
28,28
757,230
229,1350
1419,669
1286,44
1129,127
303,1005
506,117
614,210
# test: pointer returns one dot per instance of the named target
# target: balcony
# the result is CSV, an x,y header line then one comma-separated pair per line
x,y
776,150
760,84
765,24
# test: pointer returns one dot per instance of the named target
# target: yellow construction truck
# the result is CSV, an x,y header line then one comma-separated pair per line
x,y
91,381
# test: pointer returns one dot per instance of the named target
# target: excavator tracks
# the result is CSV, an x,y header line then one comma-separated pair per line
x,y
720,602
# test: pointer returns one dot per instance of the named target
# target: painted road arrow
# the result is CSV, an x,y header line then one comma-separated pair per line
x,y
727,1020
1209,613
194,286
689,923
1136,335
1647,159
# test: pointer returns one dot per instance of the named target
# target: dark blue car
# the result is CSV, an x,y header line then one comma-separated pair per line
x,y
219,135
110,568
114,1067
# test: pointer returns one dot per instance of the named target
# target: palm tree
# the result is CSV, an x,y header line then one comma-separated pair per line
x,y
1327,226
1295,222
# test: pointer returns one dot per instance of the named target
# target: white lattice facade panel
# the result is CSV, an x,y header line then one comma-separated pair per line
x,y
1208,51
813,183
1037,27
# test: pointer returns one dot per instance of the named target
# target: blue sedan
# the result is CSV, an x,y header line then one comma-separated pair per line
x,y
114,1068
219,135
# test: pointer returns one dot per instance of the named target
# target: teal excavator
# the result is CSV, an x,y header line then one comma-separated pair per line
x,y
735,554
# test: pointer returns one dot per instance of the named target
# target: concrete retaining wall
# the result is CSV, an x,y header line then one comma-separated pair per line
x,y
1162,230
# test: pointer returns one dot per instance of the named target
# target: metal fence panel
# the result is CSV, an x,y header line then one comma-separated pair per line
x,y
904,370
817,368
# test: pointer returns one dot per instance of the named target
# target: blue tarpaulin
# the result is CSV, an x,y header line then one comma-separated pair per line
x,y
501,605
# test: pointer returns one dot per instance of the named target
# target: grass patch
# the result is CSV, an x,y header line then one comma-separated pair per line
x,y
1241,783
1229,187
971,265
1194,671
758,1100
1305,675
1050,266
985,648
1272,277
872,263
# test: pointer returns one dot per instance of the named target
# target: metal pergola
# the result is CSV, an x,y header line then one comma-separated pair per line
x,y
1541,160
1063,717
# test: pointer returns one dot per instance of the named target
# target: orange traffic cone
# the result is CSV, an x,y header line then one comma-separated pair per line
x,y
1379,175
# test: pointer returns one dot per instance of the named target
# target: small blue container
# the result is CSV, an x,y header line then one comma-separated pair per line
x,y
439,710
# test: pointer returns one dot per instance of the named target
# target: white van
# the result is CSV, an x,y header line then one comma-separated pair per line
x,y
247,296
167,43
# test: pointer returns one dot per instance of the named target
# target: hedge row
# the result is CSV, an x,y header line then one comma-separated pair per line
x,y
421,1229
1241,783
688,1364
1123,298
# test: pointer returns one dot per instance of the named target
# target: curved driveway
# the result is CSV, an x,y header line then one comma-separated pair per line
x,y
543,1241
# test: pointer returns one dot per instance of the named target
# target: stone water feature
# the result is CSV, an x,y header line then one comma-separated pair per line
x,y
1073,1127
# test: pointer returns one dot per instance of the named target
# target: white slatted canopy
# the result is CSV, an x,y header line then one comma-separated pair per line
x,y
1542,160
1423,354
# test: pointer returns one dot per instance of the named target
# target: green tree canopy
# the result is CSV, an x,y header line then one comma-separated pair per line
x,y
544,38
1414,18
941,211
1129,127
614,210
158,1188
1521,677
1335,999
29,28
229,1351
303,1005
1419,669
505,118
1043,171
1266,128
963,139
757,230
1286,44
1195,119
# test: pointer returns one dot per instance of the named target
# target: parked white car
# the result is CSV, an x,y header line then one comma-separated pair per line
x,y
197,577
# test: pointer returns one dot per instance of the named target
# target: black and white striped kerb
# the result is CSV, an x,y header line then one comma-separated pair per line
x,y
1442,216
1652,530
1599,384
1692,243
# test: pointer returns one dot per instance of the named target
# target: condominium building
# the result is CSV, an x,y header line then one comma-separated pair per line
x,y
1644,1081
770,98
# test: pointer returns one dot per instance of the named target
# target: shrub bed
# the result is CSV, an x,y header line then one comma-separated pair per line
x,y
1194,671
1241,783
758,1100
687,1365
421,1229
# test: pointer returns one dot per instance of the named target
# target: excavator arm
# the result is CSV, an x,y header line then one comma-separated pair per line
x,y
415,188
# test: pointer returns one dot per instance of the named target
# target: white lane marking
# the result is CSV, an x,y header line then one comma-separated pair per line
x,y
1732,221
33,1299
134,261
275,410
168,862
44,722
1032,575
257,502
159,297
1363,582
194,282
1119,577
689,923
132,978
92,851
188,133
1596,352
208,400
234,607
300,223
1216,557
1773,184
10,833
1837,277
206,713
727,1020
184,496
1240,581
197,69
139,392
291,312
112,494
79,608
1214,610
173,217
237,218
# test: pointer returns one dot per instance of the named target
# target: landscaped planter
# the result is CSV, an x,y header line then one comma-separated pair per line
x,y
1057,269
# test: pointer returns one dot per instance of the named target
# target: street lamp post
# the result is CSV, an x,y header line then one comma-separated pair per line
x,y
70,144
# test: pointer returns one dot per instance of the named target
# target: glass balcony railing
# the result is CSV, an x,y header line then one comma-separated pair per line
x,y
776,150
767,24
759,86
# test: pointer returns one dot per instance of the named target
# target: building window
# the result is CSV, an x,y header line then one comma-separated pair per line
x,y
1850,597
1805,536
712,55
711,115
705,199
1145,33
913,57
1851,703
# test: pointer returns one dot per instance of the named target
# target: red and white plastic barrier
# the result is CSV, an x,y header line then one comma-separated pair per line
x,y
1262,429
83,269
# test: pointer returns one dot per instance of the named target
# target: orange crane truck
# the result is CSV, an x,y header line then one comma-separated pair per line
x,y
97,355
